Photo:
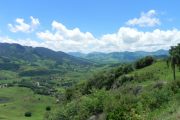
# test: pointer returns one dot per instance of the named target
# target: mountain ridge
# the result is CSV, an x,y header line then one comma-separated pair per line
x,y
31,54
125,56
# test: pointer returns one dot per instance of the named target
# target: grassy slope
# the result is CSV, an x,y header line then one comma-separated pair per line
x,y
148,78
22,100
160,72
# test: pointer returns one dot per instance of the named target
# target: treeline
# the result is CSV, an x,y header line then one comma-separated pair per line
x,y
38,72
38,88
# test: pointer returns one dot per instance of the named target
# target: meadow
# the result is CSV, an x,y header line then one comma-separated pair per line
x,y
20,100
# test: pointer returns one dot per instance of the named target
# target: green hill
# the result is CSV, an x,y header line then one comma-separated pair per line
x,y
125,94
30,54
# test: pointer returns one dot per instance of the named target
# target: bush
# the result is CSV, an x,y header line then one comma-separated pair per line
x,y
106,79
156,98
144,62
69,93
48,108
83,107
123,79
125,108
175,86
159,85
27,114
137,90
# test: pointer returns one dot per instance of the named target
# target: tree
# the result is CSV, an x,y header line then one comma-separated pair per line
x,y
48,108
144,62
27,114
175,58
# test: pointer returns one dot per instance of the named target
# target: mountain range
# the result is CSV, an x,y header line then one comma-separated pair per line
x,y
119,56
30,54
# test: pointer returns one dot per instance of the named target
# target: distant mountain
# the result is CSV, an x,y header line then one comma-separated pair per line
x,y
30,54
119,56
40,55
77,54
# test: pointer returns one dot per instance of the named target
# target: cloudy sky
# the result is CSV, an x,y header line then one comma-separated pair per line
x,y
91,25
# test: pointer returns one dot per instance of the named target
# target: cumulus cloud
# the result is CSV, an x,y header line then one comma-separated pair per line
x,y
22,26
148,19
61,33
68,39
125,39
61,38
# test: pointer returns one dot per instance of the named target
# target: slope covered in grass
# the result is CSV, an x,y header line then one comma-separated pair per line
x,y
149,93
17,101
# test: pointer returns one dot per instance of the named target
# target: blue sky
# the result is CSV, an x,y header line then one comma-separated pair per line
x,y
91,25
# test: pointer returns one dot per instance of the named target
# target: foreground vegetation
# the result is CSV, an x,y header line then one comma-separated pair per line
x,y
125,94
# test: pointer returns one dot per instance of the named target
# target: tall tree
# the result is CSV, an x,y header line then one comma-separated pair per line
x,y
175,58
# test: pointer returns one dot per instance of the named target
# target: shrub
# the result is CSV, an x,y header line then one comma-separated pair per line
x,y
69,93
83,107
159,85
106,79
175,86
144,62
123,79
125,108
137,90
48,108
156,98
27,114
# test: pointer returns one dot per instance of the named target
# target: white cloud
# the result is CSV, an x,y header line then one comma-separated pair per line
x,y
22,26
148,19
34,22
67,39
125,39
60,38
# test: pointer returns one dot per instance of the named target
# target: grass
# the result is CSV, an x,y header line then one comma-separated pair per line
x,y
23,100
160,72
156,72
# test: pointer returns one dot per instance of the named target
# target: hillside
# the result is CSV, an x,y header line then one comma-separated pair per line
x,y
26,66
147,93
23,61
30,54
31,79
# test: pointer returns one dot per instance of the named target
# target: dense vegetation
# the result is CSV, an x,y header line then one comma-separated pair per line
x,y
144,62
133,96
138,91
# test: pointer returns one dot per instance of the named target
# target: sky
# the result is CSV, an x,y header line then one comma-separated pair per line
x,y
91,25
